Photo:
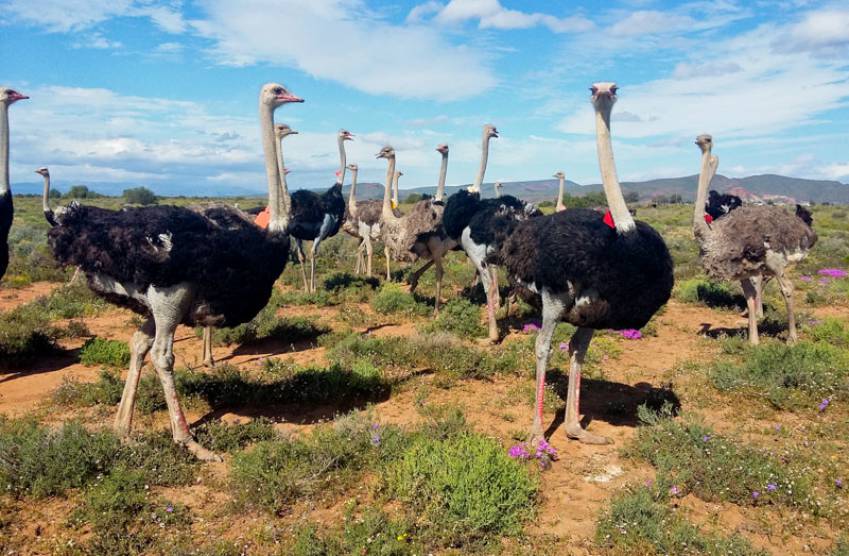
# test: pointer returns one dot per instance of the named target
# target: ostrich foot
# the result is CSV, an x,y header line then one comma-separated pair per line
x,y
209,363
576,432
200,452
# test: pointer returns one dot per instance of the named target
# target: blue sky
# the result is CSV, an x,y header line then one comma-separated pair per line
x,y
163,93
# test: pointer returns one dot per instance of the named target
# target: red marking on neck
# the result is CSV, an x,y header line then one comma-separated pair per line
x,y
708,218
608,219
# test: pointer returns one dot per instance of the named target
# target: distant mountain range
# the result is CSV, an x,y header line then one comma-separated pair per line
x,y
764,187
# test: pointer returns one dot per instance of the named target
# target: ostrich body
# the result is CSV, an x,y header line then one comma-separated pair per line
x,y
561,189
481,225
7,209
588,273
720,204
362,221
316,217
750,244
176,265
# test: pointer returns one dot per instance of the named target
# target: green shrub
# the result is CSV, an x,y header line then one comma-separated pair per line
x,y
267,325
831,330
25,332
100,351
139,196
788,376
372,534
71,301
712,294
465,484
223,437
40,462
693,458
106,390
461,317
392,299
639,522
161,461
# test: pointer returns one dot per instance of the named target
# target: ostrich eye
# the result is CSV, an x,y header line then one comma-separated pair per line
x,y
614,89
278,90
594,89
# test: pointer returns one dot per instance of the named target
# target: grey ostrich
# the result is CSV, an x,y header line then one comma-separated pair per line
x,y
588,271
176,265
750,244
7,210
561,189
499,189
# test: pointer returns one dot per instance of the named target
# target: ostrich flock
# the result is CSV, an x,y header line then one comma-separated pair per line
x,y
215,265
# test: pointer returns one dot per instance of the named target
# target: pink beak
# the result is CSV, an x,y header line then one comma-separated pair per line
x,y
289,98
18,96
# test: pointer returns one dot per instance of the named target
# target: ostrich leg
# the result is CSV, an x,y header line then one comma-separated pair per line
x,y
207,347
359,267
369,255
760,283
301,259
169,304
140,344
552,309
751,294
492,303
786,287
440,272
414,278
388,271
578,345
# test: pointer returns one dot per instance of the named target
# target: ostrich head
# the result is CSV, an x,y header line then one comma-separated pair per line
x,y
489,131
286,171
43,171
283,130
346,135
10,96
705,142
386,152
353,167
442,148
274,95
560,175
603,94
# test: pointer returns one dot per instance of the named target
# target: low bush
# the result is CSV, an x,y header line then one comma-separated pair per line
x,y
100,351
223,437
24,333
461,317
267,325
371,534
831,330
392,299
640,522
712,294
105,391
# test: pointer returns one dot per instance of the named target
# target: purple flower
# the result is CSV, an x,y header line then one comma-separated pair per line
x,y
705,438
564,346
674,491
169,508
823,281
631,334
375,439
833,272
838,483
805,278
755,495
375,426
771,487
778,427
824,404
546,449
530,326
519,451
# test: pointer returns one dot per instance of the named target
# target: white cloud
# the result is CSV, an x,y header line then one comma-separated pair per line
x,y
338,41
684,70
490,14
646,22
823,30
836,171
97,41
62,16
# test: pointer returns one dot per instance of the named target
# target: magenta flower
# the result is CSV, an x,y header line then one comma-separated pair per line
x,y
631,334
375,439
705,438
530,326
755,495
169,508
519,451
564,346
838,483
546,449
805,278
824,404
833,272
771,487
674,490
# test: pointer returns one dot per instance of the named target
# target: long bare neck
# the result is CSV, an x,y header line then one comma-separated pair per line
x,y
387,213
278,219
561,190
4,148
342,160
443,172
352,196
45,195
610,182
395,189
700,228
476,187
285,201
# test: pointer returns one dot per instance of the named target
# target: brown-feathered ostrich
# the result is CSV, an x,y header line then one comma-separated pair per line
x,y
433,244
751,242
481,225
175,265
316,217
588,273
561,189
7,210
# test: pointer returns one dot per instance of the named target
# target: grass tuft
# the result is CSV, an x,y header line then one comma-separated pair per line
x,y
100,351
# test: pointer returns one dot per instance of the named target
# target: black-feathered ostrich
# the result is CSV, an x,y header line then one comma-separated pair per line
x,y
176,265
316,217
720,204
587,273
7,210
481,225
750,244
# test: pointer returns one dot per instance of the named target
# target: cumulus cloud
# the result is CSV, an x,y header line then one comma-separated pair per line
x,y
490,14
821,31
62,16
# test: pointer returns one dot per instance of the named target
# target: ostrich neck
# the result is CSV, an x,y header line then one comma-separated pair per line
x,y
476,187
284,200
278,215
395,189
700,228
4,147
352,196
610,182
560,192
45,195
342,160
443,172
387,205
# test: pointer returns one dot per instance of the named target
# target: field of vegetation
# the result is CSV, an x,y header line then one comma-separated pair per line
x,y
353,422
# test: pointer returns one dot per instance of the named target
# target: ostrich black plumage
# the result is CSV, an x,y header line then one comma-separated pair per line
x,y
316,217
588,273
176,265
720,204
7,209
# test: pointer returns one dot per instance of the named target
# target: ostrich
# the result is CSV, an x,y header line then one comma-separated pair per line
x,y
176,265
480,226
588,272
499,189
720,204
750,244
7,210
561,177
316,217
